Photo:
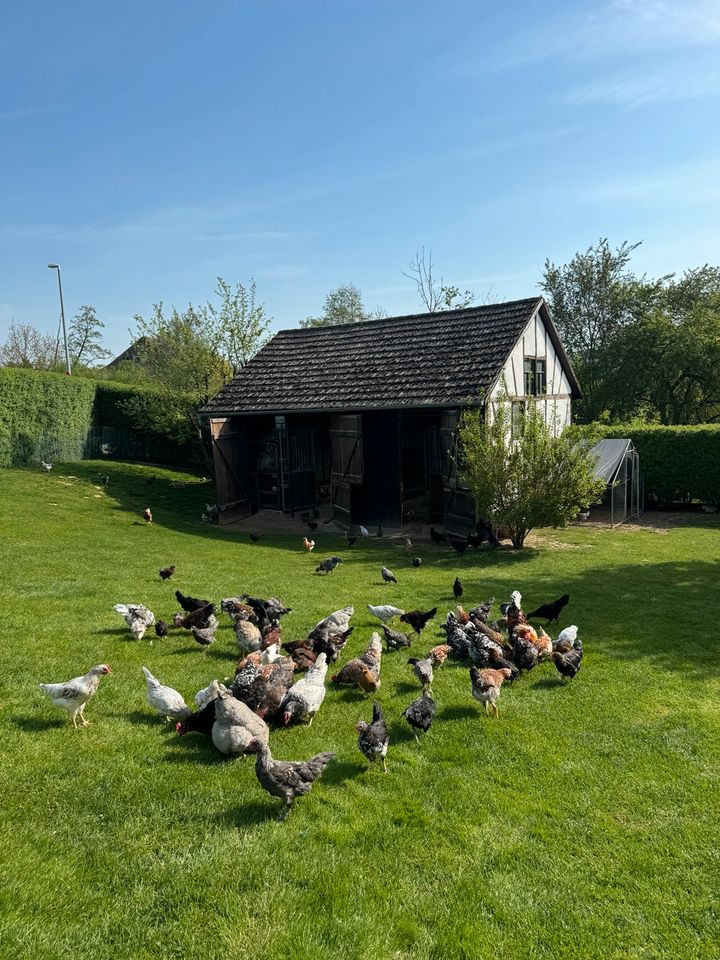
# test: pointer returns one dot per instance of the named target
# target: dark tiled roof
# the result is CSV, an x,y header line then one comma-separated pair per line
x,y
132,353
430,359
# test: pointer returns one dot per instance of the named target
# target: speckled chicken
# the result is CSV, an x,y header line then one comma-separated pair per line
x,y
167,702
568,664
72,695
286,779
394,639
263,686
485,685
373,738
304,698
423,670
420,713
248,636
136,616
236,725
363,671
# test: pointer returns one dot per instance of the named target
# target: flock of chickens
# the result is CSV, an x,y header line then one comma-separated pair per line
x,y
264,689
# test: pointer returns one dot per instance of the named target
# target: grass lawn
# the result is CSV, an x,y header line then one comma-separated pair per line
x,y
582,823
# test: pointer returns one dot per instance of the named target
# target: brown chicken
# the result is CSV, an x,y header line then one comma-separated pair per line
x,y
263,686
485,685
439,654
363,671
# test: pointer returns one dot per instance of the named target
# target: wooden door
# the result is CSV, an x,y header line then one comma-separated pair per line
x,y
229,444
347,463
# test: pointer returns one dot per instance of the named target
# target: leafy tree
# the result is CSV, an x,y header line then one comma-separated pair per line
x,y
436,294
85,338
535,478
591,299
26,346
241,323
342,305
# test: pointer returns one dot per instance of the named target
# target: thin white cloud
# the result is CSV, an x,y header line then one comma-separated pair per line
x,y
670,86
682,185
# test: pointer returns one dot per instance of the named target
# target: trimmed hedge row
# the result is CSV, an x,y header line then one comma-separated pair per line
x,y
50,416
679,464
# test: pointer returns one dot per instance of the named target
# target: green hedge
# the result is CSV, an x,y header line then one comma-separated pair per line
x,y
50,416
679,464
43,416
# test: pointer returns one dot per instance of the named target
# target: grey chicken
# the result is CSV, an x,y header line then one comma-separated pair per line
x,y
235,725
394,639
74,694
387,575
373,738
328,565
286,779
423,670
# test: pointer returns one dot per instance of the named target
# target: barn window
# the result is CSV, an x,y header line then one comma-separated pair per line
x,y
534,370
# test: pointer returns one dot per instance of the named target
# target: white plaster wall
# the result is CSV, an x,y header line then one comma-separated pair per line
x,y
535,342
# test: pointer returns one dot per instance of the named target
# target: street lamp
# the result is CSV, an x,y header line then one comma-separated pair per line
x,y
56,266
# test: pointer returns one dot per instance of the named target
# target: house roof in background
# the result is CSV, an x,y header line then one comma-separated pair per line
x,y
422,360
132,353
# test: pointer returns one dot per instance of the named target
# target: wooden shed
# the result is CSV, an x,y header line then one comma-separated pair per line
x,y
361,417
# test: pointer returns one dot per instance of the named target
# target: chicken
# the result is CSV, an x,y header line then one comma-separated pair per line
x,y
74,694
385,612
237,610
167,572
236,725
276,608
437,537
485,685
567,639
568,664
202,721
394,639
47,467
309,545
482,610
417,562
423,670
543,644
525,653
190,603
248,636
373,738
137,617
408,546
204,635
302,653
327,566
263,686
420,713
387,575
330,642
439,654
161,629
418,620
203,617
204,696
304,698
459,546
363,671
147,515
166,701
271,635
457,588
550,611
339,619
286,779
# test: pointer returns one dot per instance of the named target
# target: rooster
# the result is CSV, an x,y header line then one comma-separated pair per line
x,y
74,694
309,545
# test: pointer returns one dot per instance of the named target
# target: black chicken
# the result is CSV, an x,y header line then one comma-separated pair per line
x,y
457,588
374,739
395,639
286,779
568,663
459,546
167,572
420,714
550,611
161,629
199,722
417,562
417,619
437,537
190,603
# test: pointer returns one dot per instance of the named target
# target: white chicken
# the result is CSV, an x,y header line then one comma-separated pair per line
x,y
208,693
338,619
304,698
47,467
236,725
137,617
74,694
385,611
168,702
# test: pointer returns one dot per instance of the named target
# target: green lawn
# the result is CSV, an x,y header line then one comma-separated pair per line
x,y
582,823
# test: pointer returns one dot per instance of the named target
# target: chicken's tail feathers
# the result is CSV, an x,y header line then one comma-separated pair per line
x,y
121,608
377,714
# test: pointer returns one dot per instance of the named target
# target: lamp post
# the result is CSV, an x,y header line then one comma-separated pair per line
x,y
56,266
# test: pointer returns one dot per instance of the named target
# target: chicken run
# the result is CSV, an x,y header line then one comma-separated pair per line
x,y
265,691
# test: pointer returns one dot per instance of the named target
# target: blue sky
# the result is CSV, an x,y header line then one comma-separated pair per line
x,y
150,147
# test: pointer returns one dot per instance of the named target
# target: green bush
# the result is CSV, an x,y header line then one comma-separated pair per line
x,y
679,464
43,416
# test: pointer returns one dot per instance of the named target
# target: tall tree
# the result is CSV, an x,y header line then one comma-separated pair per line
x,y
434,293
241,323
342,305
26,346
524,476
591,298
85,337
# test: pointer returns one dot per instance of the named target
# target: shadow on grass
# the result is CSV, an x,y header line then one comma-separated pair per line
x,y
549,683
141,718
400,732
456,713
249,815
38,724
337,771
